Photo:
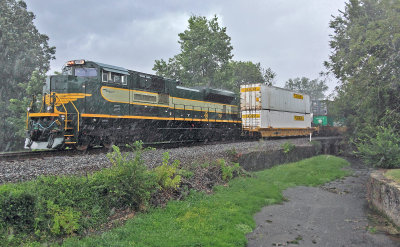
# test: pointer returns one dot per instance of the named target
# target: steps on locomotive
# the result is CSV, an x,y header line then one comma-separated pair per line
x,y
70,129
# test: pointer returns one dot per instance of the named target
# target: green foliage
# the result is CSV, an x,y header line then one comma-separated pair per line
x,y
287,147
65,220
381,149
205,59
167,174
227,170
393,174
205,165
18,107
65,205
17,209
237,73
314,88
222,218
205,49
23,50
365,59
185,173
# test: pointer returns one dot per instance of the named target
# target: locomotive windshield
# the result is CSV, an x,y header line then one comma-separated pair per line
x,y
80,71
67,71
89,72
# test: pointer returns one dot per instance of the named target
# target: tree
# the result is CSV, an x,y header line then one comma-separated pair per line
x,y
315,88
18,107
205,50
205,59
237,73
366,59
22,50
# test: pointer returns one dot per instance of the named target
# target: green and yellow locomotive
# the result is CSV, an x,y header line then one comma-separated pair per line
x,y
92,104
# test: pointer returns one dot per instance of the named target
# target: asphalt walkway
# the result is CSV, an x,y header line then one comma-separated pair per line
x,y
335,214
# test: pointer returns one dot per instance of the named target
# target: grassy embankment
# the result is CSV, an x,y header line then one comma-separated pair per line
x,y
393,174
220,219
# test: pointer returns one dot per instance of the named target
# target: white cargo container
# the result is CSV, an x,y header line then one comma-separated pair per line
x,y
262,97
276,123
275,119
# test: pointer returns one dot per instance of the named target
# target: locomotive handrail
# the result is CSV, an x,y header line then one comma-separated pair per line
x,y
77,112
27,115
66,112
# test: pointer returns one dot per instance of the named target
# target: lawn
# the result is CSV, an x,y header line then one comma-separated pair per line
x,y
223,218
393,174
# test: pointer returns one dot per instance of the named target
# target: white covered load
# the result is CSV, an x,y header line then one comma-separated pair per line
x,y
273,111
260,96
262,119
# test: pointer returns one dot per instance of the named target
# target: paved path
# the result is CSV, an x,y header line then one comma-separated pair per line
x,y
332,215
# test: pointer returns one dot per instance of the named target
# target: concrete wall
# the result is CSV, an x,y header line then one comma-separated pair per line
x,y
384,195
259,160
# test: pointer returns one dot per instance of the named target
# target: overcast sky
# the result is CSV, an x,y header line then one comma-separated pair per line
x,y
289,36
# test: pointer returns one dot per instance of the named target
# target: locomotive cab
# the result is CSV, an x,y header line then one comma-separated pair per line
x,y
54,122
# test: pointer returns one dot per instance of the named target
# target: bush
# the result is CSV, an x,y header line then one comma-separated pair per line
x,y
227,170
381,149
167,174
17,209
287,147
65,205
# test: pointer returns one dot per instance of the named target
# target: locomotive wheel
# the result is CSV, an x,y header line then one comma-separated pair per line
x,y
82,147
107,143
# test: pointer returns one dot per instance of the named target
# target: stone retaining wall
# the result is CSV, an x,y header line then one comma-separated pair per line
x,y
259,160
384,195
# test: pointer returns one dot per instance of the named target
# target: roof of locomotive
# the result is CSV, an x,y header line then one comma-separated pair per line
x,y
112,68
208,90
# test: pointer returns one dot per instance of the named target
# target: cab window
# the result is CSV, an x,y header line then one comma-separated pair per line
x,y
86,72
105,75
115,78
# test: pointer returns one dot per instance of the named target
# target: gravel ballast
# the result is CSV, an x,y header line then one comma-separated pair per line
x,y
16,171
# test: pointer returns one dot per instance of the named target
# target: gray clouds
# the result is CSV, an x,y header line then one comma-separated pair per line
x,y
289,36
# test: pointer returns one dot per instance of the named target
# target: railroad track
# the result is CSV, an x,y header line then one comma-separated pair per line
x,y
23,155
26,155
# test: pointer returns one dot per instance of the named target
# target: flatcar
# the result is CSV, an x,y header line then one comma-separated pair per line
x,y
92,104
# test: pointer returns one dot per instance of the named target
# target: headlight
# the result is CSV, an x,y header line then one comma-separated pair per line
x,y
28,109
49,108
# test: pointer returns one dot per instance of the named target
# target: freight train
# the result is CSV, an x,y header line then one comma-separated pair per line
x,y
91,104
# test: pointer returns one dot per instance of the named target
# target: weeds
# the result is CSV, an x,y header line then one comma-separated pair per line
x,y
287,147
167,175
